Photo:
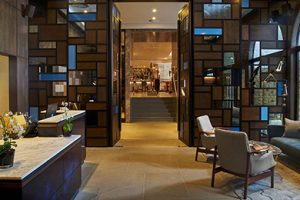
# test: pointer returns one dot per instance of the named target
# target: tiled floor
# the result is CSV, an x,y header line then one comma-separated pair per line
x,y
149,163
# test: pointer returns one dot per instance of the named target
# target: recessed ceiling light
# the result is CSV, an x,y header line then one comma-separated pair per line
x,y
85,11
153,18
154,10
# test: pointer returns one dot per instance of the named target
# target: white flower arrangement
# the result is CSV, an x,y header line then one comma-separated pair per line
x,y
10,130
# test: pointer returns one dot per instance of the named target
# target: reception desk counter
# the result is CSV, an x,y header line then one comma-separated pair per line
x,y
52,126
44,168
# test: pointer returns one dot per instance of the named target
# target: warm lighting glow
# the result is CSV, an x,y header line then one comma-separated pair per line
x,y
209,79
153,18
154,10
85,11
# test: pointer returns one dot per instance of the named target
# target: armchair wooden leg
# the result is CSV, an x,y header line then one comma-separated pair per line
x,y
246,188
197,148
214,168
272,178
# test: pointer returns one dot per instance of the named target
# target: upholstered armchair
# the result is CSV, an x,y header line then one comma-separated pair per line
x,y
236,157
206,138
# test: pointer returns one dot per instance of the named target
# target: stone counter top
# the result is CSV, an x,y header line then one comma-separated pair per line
x,y
60,117
33,153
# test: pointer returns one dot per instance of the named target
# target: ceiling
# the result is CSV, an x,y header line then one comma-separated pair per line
x,y
152,51
136,15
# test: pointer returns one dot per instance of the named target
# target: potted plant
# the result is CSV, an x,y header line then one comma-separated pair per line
x,y
68,125
10,130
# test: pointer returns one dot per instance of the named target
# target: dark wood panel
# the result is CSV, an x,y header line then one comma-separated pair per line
x,y
86,65
217,93
251,113
91,57
51,16
101,68
52,32
90,37
96,132
202,100
61,53
96,106
96,142
42,52
86,90
263,32
232,31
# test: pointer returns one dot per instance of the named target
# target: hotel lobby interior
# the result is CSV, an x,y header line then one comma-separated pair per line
x,y
150,100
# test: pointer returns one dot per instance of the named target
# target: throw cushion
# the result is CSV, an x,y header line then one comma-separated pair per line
x,y
292,128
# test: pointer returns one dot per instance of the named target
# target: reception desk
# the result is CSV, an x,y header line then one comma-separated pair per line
x,y
52,126
44,168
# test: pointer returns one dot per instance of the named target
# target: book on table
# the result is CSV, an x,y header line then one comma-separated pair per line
x,y
258,147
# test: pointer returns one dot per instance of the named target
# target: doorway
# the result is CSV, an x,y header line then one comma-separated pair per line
x,y
149,70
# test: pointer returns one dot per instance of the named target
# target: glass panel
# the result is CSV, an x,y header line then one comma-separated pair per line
x,y
76,1
59,88
264,113
256,50
82,8
269,97
245,3
217,11
86,48
85,98
265,52
52,77
33,28
34,113
47,45
37,60
72,57
216,1
82,77
264,68
228,58
61,16
279,88
52,69
82,17
229,93
208,31
275,118
76,29
279,34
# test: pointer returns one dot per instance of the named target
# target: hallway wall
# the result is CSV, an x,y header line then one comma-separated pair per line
x,y
14,43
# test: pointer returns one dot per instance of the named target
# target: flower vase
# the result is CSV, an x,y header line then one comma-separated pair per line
x,y
7,159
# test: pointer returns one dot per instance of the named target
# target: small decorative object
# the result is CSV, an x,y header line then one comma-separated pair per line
x,y
10,130
68,125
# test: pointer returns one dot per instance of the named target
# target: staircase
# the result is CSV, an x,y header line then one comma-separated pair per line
x,y
153,109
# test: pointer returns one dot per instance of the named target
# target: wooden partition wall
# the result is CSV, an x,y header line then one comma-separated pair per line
x,y
265,46
68,61
221,73
216,51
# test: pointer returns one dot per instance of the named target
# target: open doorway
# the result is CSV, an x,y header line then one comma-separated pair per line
x,y
149,64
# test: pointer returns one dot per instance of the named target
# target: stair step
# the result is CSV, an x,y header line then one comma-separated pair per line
x,y
153,109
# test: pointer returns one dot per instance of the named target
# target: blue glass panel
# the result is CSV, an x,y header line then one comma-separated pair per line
x,y
34,113
115,11
82,17
264,113
245,3
72,57
279,88
235,129
52,77
208,31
